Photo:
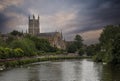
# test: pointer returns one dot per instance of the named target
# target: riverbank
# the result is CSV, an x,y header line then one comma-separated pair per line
x,y
19,62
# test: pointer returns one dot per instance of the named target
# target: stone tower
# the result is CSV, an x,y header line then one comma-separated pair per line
x,y
33,26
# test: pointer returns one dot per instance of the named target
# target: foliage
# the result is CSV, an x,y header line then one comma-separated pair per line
x,y
26,45
98,57
116,49
3,53
92,49
110,44
81,51
2,42
10,53
10,39
18,52
16,33
78,41
72,48
76,45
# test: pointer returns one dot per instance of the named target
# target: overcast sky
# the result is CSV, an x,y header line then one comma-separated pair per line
x,y
84,17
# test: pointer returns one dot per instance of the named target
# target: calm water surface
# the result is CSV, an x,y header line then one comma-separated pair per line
x,y
67,70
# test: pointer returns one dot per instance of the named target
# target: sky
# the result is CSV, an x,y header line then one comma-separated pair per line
x,y
84,17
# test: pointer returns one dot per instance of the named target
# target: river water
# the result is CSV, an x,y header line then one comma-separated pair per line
x,y
67,70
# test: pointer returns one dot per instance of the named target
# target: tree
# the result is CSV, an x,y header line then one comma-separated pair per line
x,y
78,41
76,45
109,41
16,33
116,49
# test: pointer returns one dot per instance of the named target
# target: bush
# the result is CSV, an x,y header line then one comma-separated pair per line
x,y
10,53
4,52
18,52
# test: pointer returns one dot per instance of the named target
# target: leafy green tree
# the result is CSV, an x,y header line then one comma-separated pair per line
x,y
76,45
109,41
78,41
16,33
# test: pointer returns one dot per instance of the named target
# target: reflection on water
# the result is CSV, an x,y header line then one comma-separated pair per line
x,y
72,70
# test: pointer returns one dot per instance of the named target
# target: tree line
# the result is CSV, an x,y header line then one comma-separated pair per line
x,y
19,45
107,50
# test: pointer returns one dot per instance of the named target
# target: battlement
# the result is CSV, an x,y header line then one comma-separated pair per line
x,y
33,18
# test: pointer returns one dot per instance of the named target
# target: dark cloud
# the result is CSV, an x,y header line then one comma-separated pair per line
x,y
16,9
99,12
3,20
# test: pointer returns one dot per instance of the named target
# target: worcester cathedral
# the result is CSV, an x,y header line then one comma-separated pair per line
x,y
55,38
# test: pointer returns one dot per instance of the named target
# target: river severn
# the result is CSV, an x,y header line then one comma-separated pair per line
x,y
65,70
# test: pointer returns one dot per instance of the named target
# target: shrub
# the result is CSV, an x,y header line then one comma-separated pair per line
x,y
18,52
4,52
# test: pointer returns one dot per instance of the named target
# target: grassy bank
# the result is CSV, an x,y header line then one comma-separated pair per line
x,y
40,59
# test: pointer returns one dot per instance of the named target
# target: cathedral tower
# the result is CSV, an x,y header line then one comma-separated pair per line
x,y
33,26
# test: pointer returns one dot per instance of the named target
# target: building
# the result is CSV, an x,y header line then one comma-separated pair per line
x,y
55,38
33,26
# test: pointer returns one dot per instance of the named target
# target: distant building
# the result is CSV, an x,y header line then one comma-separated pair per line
x,y
55,38
33,26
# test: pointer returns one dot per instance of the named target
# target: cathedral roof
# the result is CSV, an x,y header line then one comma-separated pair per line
x,y
49,34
